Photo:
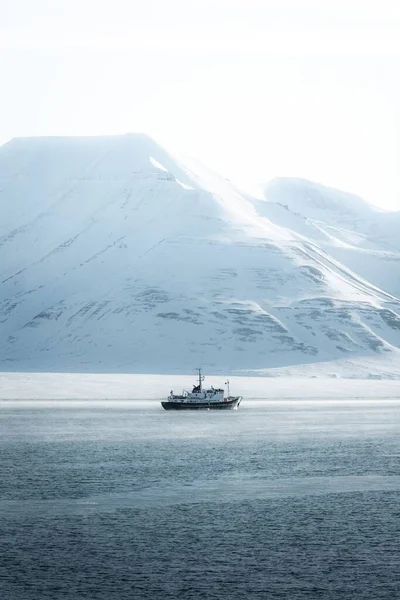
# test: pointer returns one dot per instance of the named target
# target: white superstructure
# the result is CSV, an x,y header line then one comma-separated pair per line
x,y
199,393
202,397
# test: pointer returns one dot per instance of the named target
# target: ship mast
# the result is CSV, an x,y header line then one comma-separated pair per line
x,y
201,378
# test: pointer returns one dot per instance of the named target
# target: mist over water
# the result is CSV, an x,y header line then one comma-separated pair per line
x,y
123,500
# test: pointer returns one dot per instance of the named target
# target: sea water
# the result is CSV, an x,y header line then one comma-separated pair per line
x,y
117,500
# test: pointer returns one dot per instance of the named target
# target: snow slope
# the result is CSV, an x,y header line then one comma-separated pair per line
x,y
38,389
116,256
357,234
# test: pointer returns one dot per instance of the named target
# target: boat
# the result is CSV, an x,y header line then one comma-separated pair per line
x,y
207,398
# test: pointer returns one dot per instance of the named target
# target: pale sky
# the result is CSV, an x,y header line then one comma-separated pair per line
x,y
253,88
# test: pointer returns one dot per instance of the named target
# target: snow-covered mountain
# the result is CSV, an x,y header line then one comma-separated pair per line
x,y
116,256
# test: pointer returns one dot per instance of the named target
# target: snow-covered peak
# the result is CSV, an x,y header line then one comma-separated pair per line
x,y
116,255
100,157
318,202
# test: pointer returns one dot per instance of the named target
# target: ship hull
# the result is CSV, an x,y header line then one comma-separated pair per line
x,y
231,404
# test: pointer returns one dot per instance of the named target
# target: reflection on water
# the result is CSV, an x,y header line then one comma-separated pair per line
x,y
124,500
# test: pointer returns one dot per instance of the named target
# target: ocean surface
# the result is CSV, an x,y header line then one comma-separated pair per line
x,y
120,499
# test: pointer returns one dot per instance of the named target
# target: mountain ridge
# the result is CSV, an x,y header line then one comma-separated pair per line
x,y
115,255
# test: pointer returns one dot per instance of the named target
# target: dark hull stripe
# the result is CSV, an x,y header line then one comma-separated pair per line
x,y
230,405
